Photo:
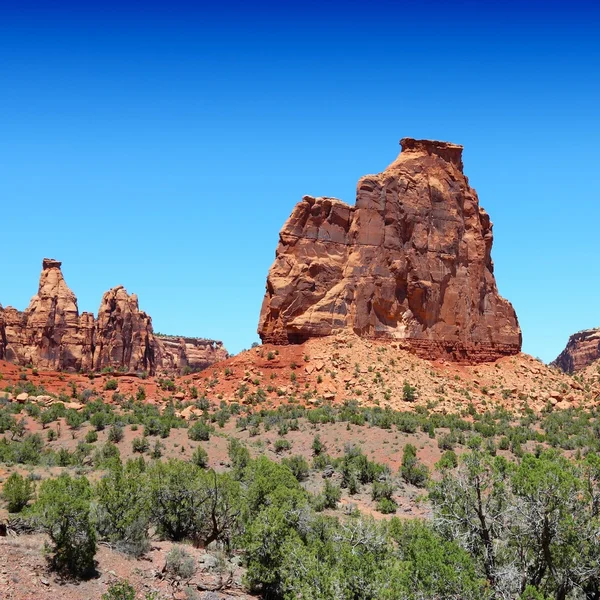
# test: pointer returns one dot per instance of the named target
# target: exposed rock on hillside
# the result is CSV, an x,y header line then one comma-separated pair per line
x,y
51,334
177,353
124,336
411,261
582,349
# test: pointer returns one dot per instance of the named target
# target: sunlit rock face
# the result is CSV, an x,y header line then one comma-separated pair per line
x,y
51,334
411,262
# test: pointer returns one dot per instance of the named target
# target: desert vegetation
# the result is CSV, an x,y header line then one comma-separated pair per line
x,y
508,510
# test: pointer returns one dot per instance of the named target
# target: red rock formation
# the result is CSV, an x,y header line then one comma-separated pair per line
x,y
582,349
411,261
124,336
51,334
177,353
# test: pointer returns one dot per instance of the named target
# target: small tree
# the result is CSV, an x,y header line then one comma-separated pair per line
x,y
331,494
200,457
239,457
409,392
122,510
317,445
413,471
63,507
298,466
17,492
199,432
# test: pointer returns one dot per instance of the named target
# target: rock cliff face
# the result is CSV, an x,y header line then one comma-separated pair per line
x,y
51,334
582,349
124,336
178,353
411,261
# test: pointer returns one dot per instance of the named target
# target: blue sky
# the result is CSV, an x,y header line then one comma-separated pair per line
x,y
162,147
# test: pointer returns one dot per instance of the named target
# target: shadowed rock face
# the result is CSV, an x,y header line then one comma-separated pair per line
x,y
51,334
582,349
411,261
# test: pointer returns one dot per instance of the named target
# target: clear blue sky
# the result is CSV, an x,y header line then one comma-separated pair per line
x,y
162,147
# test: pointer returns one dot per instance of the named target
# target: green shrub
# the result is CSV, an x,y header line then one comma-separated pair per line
x,y
504,443
239,457
122,512
157,450
386,506
179,564
317,445
187,502
409,392
91,436
74,419
140,444
407,422
447,441
115,434
449,460
100,420
106,455
111,385
382,489
122,590
413,471
282,445
200,457
63,508
331,494
17,492
199,432
298,466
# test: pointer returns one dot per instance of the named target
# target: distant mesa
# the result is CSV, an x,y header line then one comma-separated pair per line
x,y
410,262
51,334
582,349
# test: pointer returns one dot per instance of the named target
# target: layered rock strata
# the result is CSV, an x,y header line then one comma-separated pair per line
x,y
178,353
411,261
51,334
582,349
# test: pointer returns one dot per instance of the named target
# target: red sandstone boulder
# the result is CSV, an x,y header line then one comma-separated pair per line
x,y
411,261
582,349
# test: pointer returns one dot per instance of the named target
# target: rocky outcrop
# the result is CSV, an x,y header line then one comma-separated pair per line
x,y
582,349
51,334
124,336
182,353
411,261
